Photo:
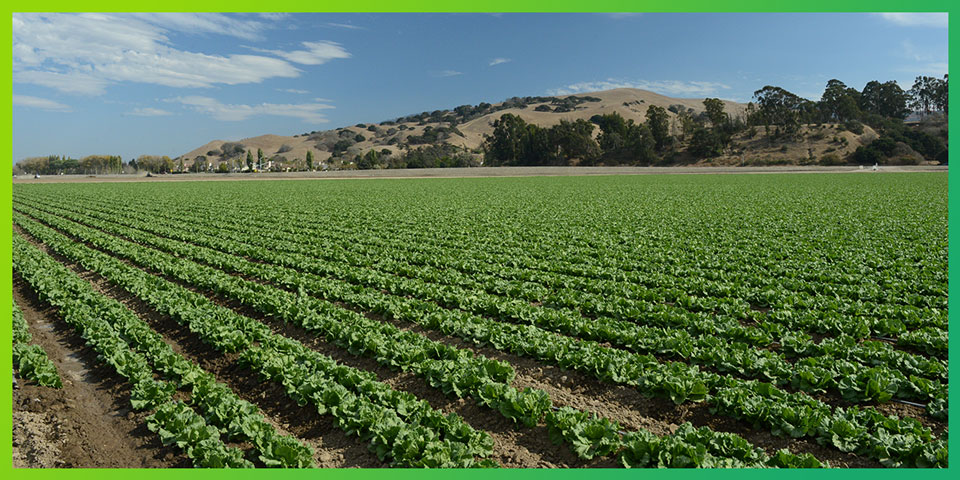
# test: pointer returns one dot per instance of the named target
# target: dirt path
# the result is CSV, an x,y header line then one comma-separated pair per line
x,y
87,423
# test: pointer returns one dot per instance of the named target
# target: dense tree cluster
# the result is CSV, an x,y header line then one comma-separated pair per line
x,y
230,150
153,164
56,165
515,142
431,156
929,94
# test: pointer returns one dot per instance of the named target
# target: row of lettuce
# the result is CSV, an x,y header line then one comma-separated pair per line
x,y
100,323
888,439
640,296
702,447
286,361
901,306
862,372
28,358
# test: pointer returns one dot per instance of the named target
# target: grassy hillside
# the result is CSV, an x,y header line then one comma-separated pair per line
x,y
461,131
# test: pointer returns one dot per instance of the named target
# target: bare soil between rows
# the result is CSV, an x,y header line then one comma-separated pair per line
x,y
87,423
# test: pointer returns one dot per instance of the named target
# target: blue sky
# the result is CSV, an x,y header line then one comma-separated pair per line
x,y
163,84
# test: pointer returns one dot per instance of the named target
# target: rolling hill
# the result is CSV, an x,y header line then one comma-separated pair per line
x,y
466,126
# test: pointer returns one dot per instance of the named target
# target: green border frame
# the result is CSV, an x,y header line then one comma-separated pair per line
x,y
6,457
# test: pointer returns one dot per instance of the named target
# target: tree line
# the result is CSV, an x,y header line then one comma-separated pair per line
x,y
883,106
56,165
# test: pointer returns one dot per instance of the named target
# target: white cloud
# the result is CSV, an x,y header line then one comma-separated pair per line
x,y
498,61
449,73
309,112
196,23
293,90
148,112
317,53
274,16
76,82
41,103
927,19
674,88
85,53
345,25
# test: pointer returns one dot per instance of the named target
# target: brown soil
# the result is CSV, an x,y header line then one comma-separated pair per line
x,y
87,423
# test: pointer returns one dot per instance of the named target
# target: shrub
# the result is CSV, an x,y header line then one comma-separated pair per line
x,y
854,126
831,159
284,148
908,160
232,149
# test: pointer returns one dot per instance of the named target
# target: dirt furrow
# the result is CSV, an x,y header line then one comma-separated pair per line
x,y
87,423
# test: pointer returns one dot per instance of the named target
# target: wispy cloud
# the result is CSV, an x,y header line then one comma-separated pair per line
x,y
148,112
449,73
345,25
85,53
198,23
498,61
936,69
308,112
293,90
925,19
667,87
75,82
316,53
40,103
909,50
274,16
924,61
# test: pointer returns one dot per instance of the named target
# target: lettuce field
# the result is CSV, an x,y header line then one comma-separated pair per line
x,y
617,321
